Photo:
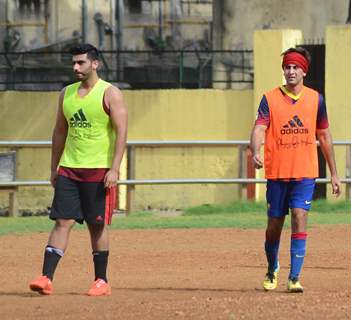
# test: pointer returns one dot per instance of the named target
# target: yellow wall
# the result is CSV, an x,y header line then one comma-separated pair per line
x,y
29,116
153,115
337,91
187,115
268,46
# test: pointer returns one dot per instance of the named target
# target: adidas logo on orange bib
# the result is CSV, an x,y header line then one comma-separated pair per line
x,y
294,126
79,120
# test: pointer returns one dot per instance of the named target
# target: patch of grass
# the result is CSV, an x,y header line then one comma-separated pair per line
x,y
141,214
20,225
143,220
321,206
245,215
234,207
239,220
331,218
324,206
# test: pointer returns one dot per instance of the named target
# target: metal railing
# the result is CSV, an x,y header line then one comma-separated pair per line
x,y
144,69
131,182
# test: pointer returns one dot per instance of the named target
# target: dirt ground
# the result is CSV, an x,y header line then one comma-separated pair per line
x,y
179,274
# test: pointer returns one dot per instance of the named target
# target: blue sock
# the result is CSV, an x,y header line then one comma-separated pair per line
x,y
297,253
272,249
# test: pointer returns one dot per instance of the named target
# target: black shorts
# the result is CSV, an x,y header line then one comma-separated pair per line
x,y
83,201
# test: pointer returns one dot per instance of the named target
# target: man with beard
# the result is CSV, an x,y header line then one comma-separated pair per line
x,y
88,143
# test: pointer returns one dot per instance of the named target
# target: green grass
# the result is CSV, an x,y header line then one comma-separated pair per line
x,y
245,215
322,206
217,220
235,207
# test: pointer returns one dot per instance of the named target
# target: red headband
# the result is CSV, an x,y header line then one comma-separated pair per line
x,y
297,59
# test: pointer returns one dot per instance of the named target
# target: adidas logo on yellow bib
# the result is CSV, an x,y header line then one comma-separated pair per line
x,y
79,120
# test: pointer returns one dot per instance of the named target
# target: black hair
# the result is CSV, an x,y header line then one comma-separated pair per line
x,y
299,50
90,50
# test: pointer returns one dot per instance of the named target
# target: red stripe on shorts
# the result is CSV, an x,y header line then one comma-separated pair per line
x,y
110,204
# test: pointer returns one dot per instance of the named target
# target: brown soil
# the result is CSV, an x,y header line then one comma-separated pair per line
x,y
179,274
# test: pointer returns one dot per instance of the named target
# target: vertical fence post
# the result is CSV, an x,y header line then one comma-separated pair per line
x,y
181,68
13,204
348,171
250,173
242,172
130,176
242,66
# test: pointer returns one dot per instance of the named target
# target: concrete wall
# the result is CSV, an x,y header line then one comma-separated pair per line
x,y
154,115
188,115
268,61
29,116
64,20
337,91
235,21
69,20
182,24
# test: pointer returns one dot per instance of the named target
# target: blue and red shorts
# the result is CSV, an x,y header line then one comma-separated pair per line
x,y
282,195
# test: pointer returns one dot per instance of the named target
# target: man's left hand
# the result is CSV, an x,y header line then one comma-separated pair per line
x,y
111,178
336,185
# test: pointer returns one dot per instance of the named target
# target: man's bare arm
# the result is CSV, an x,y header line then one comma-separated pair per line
x,y
326,144
58,138
119,118
257,138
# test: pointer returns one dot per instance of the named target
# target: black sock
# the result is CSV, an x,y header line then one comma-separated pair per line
x,y
51,258
100,259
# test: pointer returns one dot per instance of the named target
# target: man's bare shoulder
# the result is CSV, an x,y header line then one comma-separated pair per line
x,y
62,94
113,95
112,90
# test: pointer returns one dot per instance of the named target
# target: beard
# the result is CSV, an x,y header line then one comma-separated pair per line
x,y
81,76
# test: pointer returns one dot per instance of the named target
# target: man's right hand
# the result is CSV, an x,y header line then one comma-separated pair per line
x,y
257,161
53,178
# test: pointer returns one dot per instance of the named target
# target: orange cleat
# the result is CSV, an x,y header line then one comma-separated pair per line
x,y
42,285
99,288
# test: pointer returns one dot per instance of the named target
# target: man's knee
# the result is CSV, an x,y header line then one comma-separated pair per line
x,y
64,224
299,213
96,227
97,230
99,237
274,228
275,223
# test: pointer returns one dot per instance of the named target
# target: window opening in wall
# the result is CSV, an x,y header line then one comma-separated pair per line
x,y
31,8
134,6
